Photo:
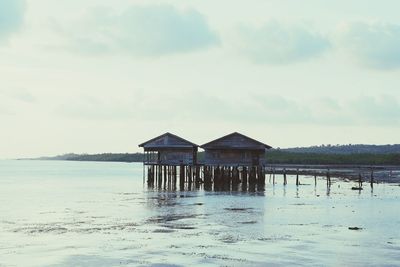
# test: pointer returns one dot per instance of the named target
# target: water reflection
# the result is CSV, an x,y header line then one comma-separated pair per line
x,y
234,187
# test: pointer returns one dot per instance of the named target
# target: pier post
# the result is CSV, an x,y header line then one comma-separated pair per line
x,y
273,175
284,177
252,177
244,175
328,178
190,176
174,175
261,175
181,176
159,175
372,178
198,174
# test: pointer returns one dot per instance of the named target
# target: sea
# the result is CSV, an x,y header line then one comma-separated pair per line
x,y
64,213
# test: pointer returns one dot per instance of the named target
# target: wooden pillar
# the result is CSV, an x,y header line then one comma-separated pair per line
x,y
253,178
273,175
284,177
244,175
216,175
190,174
372,178
159,175
181,176
149,179
198,174
328,178
165,175
155,173
260,175
297,177
174,175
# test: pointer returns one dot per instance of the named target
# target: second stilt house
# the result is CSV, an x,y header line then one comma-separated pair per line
x,y
235,149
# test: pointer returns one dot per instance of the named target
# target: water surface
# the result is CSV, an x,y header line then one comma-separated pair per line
x,y
56,213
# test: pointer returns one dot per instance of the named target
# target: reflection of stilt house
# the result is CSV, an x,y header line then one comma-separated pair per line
x,y
164,153
235,149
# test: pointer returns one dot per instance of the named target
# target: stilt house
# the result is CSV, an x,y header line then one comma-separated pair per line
x,y
169,149
235,149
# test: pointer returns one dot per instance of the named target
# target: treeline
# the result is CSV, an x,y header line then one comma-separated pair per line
x,y
109,157
273,157
283,157
347,149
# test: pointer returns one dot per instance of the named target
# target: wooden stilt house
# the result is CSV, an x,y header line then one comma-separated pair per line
x,y
169,149
235,149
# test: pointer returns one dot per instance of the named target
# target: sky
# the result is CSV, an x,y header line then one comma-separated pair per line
x,y
103,76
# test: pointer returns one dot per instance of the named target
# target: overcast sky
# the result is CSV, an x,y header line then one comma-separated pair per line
x,y
103,75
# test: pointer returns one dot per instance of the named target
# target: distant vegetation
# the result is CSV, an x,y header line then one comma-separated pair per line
x,y
285,157
348,154
111,157
347,149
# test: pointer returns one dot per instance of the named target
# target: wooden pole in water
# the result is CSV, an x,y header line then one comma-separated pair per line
x,y
190,174
159,175
284,177
165,175
244,176
270,175
328,178
273,175
155,173
181,176
372,178
315,179
297,178
174,175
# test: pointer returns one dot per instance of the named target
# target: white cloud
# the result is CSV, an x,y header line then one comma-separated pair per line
x,y
375,45
248,109
144,31
384,109
11,17
280,43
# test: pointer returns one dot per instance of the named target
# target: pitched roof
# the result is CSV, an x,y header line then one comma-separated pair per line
x,y
168,140
236,141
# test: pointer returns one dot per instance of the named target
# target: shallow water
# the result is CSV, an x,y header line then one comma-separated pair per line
x,y
56,213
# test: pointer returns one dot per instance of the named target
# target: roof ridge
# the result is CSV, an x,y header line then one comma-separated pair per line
x,y
237,133
168,134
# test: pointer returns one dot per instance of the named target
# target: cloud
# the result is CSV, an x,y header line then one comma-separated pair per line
x,y
11,17
374,45
384,109
244,109
18,94
144,31
279,43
